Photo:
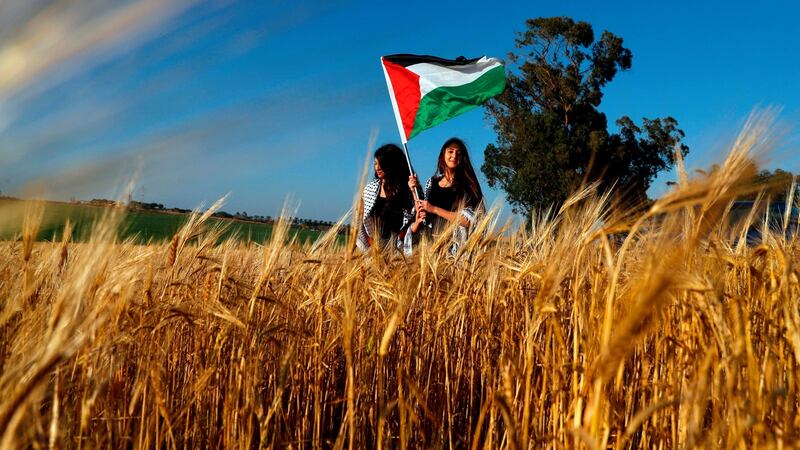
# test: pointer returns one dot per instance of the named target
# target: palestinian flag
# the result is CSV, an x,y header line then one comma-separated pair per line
x,y
426,90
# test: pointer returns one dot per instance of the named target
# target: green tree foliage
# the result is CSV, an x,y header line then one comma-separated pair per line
x,y
776,183
551,137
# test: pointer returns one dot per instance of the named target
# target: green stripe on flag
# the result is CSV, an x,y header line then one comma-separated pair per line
x,y
444,103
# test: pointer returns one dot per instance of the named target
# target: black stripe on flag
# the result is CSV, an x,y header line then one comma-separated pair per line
x,y
406,60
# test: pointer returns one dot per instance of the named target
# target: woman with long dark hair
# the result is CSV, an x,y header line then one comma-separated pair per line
x,y
388,207
453,194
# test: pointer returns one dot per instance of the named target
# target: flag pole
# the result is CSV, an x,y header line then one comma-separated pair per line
x,y
417,192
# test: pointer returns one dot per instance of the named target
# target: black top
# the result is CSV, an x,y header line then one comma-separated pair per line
x,y
389,216
446,198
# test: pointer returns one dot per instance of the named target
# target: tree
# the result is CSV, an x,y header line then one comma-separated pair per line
x,y
551,137
776,184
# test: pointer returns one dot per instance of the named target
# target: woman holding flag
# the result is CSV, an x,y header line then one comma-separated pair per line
x,y
426,91
388,208
453,194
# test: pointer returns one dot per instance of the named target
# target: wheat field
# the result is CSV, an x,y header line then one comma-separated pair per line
x,y
587,328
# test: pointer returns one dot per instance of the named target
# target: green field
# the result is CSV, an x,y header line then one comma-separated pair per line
x,y
141,226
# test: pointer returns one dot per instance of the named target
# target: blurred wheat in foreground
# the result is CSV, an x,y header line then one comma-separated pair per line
x,y
585,329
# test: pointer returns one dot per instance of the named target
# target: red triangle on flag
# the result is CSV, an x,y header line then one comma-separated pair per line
x,y
406,94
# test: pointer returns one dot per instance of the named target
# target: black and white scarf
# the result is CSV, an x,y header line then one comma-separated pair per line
x,y
366,233
460,232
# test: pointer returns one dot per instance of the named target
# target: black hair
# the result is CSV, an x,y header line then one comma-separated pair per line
x,y
395,170
465,179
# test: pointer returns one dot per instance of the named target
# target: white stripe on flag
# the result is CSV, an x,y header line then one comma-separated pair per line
x,y
432,76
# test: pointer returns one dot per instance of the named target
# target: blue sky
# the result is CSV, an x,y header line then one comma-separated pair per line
x,y
269,99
